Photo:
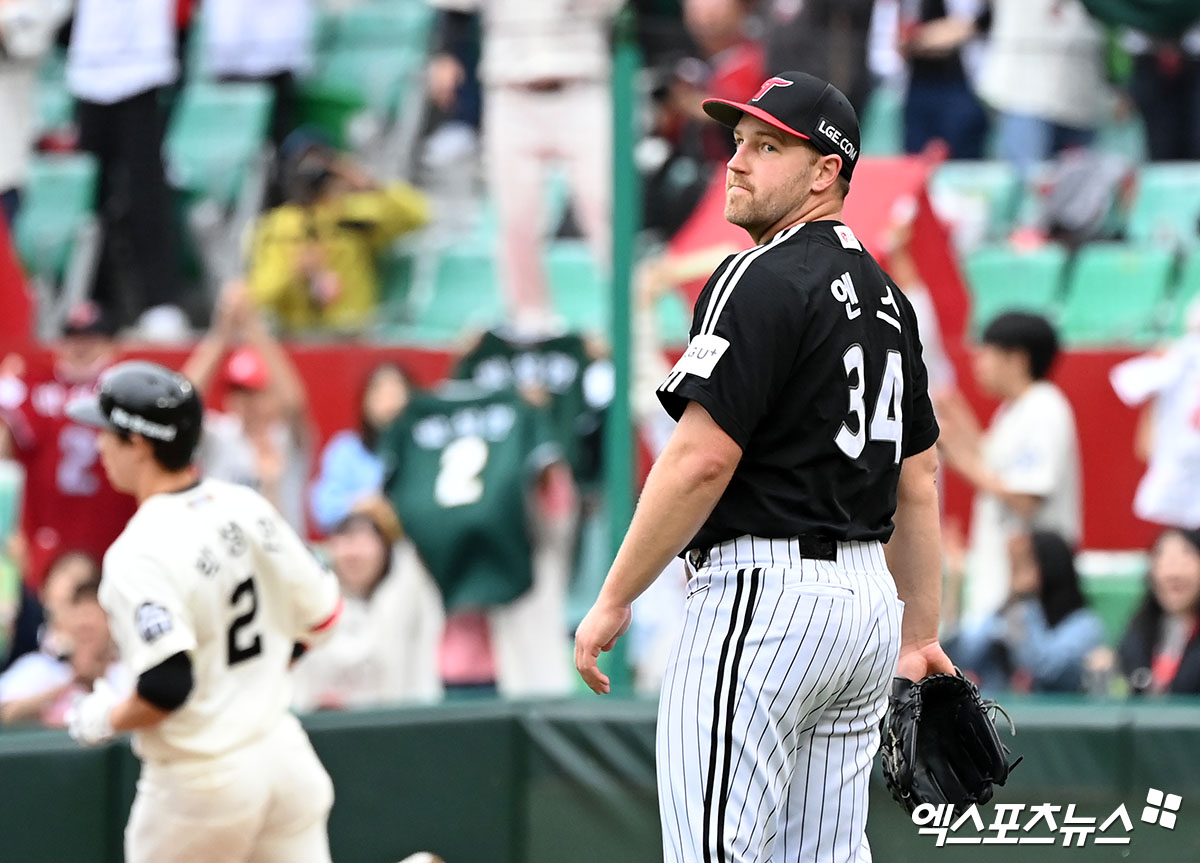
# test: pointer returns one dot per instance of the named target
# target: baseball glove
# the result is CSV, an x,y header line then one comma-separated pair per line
x,y
940,743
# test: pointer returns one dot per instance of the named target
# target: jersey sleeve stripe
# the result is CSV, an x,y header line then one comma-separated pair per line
x,y
675,377
724,289
745,265
331,620
723,282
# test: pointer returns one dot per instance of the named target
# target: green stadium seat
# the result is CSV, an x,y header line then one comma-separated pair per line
x,y
1114,600
215,134
674,319
984,194
578,288
1187,290
60,198
1114,584
1115,294
397,275
883,122
465,295
385,25
1166,206
1001,279
55,106
1126,138
376,79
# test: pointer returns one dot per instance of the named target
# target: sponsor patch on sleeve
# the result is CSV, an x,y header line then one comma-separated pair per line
x,y
702,355
152,621
849,241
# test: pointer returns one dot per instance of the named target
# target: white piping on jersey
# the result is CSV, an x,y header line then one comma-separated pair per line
x,y
724,289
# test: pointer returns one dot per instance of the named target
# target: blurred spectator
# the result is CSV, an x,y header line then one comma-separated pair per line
x,y
68,502
1160,651
1083,195
12,598
1045,74
384,649
675,166
1166,90
545,71
1040,639
1168,384
1025,469
267,40
20,612
478,481
75,650
313,264
826,38
13,594
262,438
27,29
723,31
350,471
26,624
939,38
453,76
116,66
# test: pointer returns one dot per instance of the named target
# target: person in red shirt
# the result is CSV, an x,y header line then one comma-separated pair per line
x,y
721,30
68,503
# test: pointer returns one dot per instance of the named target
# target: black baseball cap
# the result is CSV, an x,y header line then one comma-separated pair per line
x,y
801,105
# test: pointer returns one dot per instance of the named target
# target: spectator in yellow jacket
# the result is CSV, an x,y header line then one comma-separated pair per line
x,y
313,263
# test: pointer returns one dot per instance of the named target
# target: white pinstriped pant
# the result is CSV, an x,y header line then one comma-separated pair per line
x,y
768,721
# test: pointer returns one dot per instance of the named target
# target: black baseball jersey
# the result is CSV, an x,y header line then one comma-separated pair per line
x,y
805,352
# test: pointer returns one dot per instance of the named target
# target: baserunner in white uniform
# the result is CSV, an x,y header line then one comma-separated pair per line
x,y
805,441
210,596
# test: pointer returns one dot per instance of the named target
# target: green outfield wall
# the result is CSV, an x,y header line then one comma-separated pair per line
x,y
573,782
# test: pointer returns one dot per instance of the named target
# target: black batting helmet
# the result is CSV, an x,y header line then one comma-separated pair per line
x,y
143,398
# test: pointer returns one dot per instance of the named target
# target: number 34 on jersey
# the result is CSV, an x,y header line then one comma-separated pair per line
x,y
887,414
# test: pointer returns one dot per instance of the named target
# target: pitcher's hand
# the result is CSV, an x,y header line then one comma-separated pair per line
x,y
598,632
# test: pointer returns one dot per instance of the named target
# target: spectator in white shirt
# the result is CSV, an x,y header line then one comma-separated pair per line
x,y
384,650
265,40
26,31
1044,74
1167,383
1025,468
122,53
545,70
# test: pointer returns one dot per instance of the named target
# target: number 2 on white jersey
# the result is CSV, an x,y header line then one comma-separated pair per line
x,y
458,481
887,420
240,646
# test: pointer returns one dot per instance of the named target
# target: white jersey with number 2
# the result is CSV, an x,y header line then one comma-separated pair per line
x,y
215,572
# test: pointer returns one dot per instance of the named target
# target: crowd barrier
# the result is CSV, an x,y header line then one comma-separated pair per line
x,y
573,782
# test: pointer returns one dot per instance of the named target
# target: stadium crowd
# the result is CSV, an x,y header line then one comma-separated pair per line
x,y
406,181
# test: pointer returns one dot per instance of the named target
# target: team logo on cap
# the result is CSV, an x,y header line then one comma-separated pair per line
x,y
768,84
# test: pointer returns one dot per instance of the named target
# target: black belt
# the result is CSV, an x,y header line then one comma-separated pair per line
x,y
809,545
